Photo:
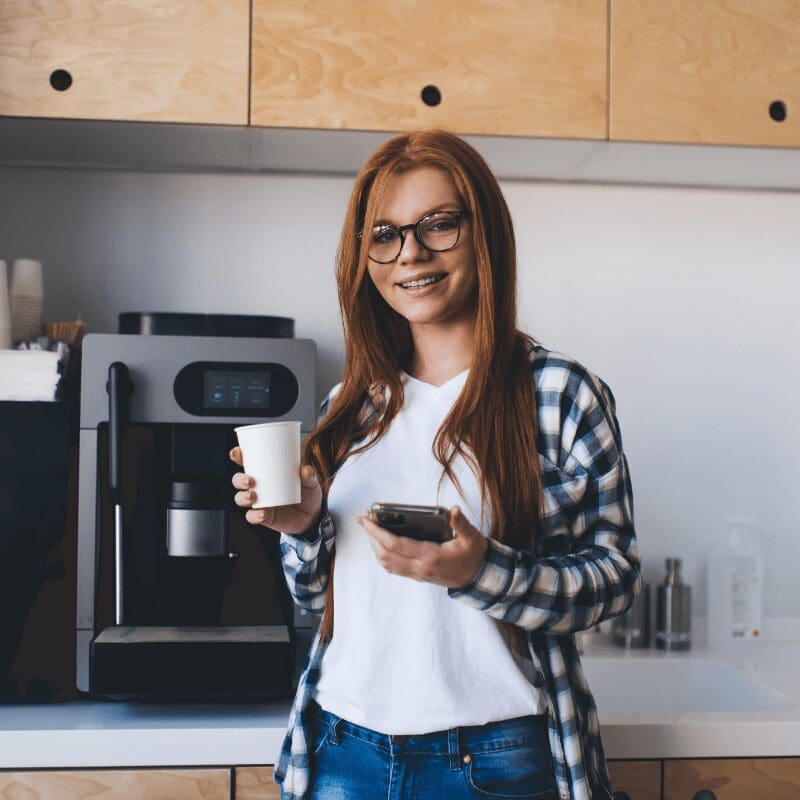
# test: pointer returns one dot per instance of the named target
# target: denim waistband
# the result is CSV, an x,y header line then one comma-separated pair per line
x,y
515,732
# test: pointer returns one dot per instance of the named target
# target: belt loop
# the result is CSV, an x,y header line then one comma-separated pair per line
x,y
334,736
453,749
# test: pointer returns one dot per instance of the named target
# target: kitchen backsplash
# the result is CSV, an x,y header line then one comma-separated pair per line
x,y
682,300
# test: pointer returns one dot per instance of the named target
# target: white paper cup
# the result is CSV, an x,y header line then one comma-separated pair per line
x,y
27,277
26,317
271,456
26,299
5,309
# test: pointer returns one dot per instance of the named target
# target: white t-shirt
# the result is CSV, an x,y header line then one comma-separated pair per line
x,y
405,657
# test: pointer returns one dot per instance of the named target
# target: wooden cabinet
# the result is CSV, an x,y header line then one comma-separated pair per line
x,y
256,783
128,60
513,67
716,72
732,779
691,779
251,783
719,72
635,780
707,779
127,784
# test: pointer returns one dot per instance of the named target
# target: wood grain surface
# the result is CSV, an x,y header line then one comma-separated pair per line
x,y
514,67
256,783
705,73
127,784
733,778
151,60
640,780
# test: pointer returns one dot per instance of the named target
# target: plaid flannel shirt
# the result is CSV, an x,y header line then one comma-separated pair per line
x,y
583,568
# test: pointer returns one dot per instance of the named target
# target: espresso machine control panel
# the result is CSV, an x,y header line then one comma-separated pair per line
x,y
186,378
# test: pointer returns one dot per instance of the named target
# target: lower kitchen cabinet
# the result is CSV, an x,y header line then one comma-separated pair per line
x,y
689,779
635,780
121,784
256,783
632,780
732,779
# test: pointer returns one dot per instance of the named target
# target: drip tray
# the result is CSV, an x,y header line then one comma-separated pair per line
x,y
169,663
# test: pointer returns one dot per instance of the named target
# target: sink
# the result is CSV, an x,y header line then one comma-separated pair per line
x,y
674,685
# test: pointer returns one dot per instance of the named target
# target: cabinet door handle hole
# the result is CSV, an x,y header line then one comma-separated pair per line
x,y
60,80
431,95
777,110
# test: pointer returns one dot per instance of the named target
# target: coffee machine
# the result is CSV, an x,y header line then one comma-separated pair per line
x,y
178,597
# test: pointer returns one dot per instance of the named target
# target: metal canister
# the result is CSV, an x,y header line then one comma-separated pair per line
x,y
673,626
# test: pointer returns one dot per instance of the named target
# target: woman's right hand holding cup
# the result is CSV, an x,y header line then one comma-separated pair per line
x,y
299,519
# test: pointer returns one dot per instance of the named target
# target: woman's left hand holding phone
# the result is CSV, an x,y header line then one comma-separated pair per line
x,y
452,564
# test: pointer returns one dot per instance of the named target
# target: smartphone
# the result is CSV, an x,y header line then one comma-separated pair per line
x,y
425,523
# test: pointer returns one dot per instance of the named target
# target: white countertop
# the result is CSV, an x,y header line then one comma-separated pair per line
x,y
89,733
86,733
706,734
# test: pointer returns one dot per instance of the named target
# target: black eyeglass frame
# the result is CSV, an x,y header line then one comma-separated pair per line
x,y
401,229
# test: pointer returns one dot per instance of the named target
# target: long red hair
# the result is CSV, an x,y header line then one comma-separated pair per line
x,y
493,422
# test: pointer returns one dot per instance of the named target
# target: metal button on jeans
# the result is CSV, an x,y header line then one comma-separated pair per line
x,y
398,738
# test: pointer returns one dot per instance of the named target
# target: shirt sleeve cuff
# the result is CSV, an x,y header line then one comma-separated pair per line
x,y
307,547
474,585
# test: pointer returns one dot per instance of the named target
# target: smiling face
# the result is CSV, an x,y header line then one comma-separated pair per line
x,y
409,197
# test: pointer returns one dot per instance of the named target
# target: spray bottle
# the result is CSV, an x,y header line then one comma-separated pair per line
x,y
735,587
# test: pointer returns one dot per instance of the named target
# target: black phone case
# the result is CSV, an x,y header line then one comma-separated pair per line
x,y
424,523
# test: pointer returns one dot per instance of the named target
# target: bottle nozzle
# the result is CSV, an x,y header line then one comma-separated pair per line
x,y
673,570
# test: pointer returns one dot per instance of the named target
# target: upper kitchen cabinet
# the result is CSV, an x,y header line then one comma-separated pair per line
x,y
153,60
511,67
716,72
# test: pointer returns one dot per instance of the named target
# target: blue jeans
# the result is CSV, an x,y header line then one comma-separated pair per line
x,y
507,760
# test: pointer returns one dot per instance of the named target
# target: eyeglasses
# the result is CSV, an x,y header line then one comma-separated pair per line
x,y
438,232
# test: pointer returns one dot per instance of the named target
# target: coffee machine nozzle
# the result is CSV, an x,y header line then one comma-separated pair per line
x,y
119,387
194,528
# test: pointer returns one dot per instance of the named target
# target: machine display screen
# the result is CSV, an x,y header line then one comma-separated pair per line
x,y
235,390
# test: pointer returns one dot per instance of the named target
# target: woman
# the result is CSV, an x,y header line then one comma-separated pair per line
x,y
453,671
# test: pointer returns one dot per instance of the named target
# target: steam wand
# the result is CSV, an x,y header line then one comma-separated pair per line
x,y
119,387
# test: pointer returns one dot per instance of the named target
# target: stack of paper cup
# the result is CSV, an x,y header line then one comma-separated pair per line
x,y
5,311
26,299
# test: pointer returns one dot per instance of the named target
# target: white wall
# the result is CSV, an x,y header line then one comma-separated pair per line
x,y
684,301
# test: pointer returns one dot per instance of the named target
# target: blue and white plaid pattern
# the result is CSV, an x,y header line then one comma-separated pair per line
x,y
583,568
